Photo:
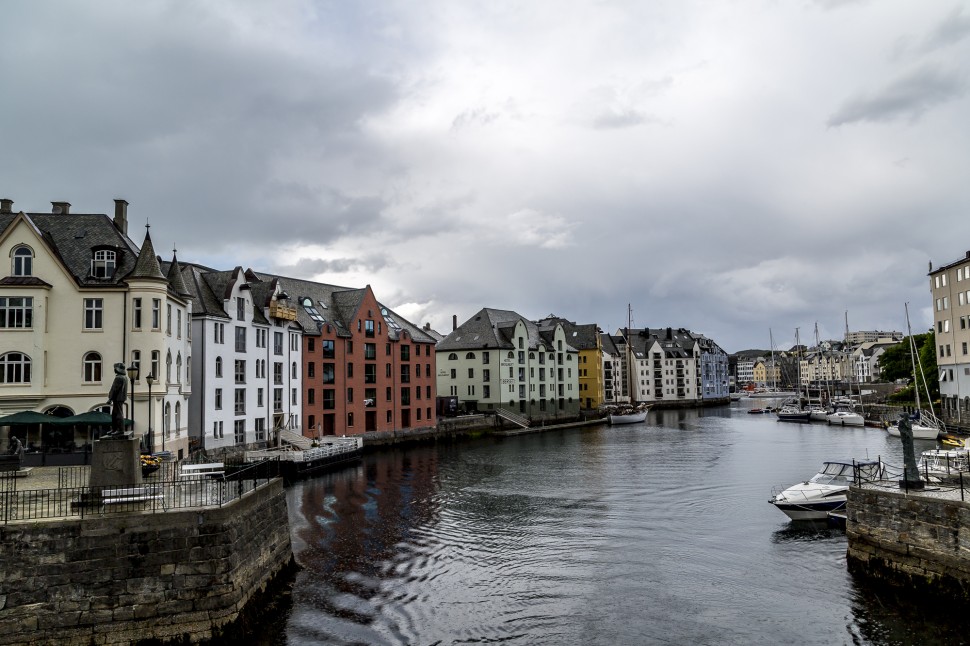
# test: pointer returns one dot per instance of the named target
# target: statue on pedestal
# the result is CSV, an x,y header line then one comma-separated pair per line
x,y
116,397
911,479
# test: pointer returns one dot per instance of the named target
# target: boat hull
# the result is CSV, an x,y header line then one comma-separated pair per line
x,y
633,418
846,419
920,432
810,510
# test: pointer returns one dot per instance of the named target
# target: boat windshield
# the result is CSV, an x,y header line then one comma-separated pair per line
x,y
842,473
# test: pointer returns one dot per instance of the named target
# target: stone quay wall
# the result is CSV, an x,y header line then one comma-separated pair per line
x,y
178,576
917,543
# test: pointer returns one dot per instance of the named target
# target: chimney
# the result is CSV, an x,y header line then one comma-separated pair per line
x,y
121,216
454,322
61,207
6,206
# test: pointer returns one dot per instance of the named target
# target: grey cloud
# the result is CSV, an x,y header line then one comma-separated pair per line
x,y
954,28
838,4
309,267
907,97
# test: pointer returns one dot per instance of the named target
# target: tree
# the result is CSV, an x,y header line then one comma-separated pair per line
x,y
895,363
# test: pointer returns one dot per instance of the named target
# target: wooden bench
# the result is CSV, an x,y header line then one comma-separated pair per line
x,y
200,471
129,495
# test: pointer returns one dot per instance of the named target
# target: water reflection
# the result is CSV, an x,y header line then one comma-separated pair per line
x,y
652,533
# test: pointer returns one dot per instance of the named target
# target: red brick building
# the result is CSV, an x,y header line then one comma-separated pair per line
x,y
365,368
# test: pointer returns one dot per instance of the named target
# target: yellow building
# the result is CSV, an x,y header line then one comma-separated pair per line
x,y
586,339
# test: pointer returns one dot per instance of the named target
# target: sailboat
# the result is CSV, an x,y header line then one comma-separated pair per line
x,y
774,392
792,411
845,413
925,424
817,411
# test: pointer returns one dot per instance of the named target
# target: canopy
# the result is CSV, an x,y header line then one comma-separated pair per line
x,y
27,417
95,418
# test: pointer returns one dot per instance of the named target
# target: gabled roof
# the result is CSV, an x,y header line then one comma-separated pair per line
x,y
494,328
72,239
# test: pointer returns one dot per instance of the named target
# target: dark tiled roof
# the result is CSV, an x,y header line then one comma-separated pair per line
x,y
493,328
73,237
23,281
146,266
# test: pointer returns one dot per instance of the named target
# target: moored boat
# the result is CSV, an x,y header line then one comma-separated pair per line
x,y
826,491
792,413
628,418
924,424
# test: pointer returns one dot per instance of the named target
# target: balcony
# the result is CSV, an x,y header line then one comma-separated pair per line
x,y
280,311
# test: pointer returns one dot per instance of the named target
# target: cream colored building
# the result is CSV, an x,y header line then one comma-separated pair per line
x,y
78,296
950,290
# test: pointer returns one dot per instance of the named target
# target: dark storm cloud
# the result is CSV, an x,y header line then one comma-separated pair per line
x,y
906,97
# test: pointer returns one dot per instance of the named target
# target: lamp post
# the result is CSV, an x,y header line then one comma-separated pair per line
x,y
150,380
132,377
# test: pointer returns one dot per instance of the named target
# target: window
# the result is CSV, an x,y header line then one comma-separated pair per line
x,y
240,339
369,328
219,367
178,324
178,368
178,418
168,367
16,312
239,431
14,368
93,313
156,314
405,396
156,363
136,359
240,401
278,373
484,357
405,353
487,374
23,261
217,430
470,356
327,348
240,308
260,429
277,343
486,392
370,374
350,395
310,397
240,371
136,313
454,373
168,319
329,399
311,369
219,333
370,351
259,398
328,373
350,370
452,357
103,264
292,396
405,374
350,420
92,367
218,399
261,336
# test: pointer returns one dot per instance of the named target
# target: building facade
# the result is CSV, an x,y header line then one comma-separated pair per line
x,y
499,359
77,297
950,293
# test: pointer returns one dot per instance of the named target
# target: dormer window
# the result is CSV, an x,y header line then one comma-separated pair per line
x,y
23,261
103,263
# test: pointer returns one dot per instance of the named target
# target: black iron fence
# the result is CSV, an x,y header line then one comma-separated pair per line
x,y
171,492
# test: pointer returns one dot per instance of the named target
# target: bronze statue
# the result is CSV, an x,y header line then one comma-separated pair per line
x,y
116,397
911,479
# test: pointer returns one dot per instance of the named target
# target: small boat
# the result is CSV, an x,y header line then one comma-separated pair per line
x,y
953,440
826,491
761,411
792,413
925,426
845,416
628,418
938,464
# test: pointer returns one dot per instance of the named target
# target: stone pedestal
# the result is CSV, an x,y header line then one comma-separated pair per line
x,y
115,462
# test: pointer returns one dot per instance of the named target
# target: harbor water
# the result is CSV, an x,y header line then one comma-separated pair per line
x,y
652,533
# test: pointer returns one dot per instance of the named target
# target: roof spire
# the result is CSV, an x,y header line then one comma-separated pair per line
x,y
146,266
175,277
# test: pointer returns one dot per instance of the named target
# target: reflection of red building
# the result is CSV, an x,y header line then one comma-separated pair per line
x,y
365,368
356,518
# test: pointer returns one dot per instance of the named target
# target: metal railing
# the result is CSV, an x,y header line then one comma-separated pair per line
x,y
151,496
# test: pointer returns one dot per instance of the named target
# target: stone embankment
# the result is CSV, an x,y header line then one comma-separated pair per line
x,y
183,575
919,542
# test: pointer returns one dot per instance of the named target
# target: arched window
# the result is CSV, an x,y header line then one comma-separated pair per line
x,y
470,355
167,420
92,367
103,263
511,355
453,357
14,368
23,261
178,368
188,371
168,367
293,370
218,366
178,418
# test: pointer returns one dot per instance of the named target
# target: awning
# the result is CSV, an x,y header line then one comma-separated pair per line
x,y
95,418
27,417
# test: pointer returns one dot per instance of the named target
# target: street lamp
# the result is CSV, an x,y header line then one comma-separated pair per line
x,y
150,380
132,377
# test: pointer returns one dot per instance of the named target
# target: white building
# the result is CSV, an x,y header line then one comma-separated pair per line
x,y
250,366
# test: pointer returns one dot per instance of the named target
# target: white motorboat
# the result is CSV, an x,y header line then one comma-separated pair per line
x,y
629,418
826,491
925,426
938,464
817,412
845,416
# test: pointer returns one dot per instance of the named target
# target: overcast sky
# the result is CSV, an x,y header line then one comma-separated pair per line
x,y
730,167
